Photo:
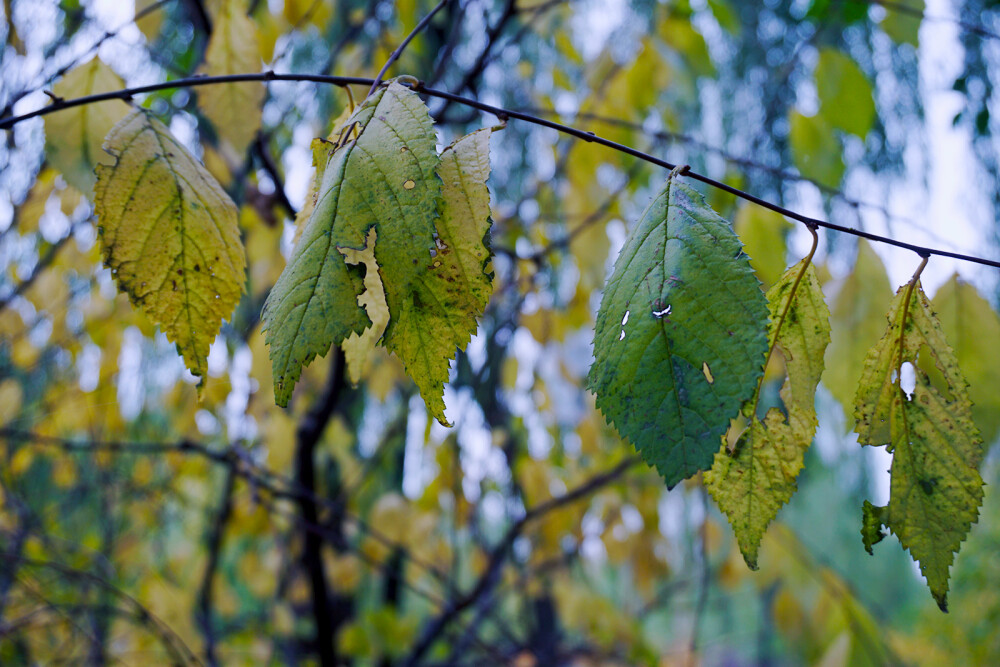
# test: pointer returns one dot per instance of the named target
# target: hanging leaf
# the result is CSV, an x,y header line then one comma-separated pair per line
x,y
680,336
447,299
169,234
359,347
972,327
857,320
935,491
233,108
73,137
385,178
751,483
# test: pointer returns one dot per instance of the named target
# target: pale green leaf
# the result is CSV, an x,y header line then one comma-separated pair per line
x,y
447,299
815,149
751,483
384,178
845,95
681,334
935,491
233,108
73,137
763,233
169,234
972,328
857,320
901,25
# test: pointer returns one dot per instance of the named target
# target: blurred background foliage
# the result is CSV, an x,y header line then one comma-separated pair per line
x,y
140,526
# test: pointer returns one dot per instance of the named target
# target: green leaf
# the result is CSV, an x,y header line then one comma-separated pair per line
x,y
972,327
845,95
815,149
680,336
752,483
935,490
169,234
447,299
385,178
73,137
233,108
857,320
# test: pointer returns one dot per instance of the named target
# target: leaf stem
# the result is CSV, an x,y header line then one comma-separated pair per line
x,y
781,320
902,322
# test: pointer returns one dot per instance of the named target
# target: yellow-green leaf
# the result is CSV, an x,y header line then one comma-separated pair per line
x,y
384,178
845,95
857,321
751,483
448,298
972,328
73,137
169,235
815,149
935,491
233,108
358,347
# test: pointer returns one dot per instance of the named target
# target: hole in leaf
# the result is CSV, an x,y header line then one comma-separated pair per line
x,y
409,184
622,337
907,378
708,373
625,319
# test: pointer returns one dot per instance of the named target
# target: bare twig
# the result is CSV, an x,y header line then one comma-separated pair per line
x,y
398,51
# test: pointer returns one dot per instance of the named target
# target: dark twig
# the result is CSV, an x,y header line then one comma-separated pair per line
x,y
398,51
308,436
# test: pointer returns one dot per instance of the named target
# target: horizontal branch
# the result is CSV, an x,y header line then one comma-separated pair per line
x,y
503,114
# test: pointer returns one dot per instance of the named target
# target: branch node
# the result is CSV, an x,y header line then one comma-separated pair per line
x,y
52,96
269,75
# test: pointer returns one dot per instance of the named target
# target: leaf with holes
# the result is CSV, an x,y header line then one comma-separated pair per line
x,y
382,177
751,483
169,235
446,300
681,337
935,491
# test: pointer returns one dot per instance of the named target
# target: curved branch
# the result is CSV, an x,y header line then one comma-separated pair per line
x,y
503,114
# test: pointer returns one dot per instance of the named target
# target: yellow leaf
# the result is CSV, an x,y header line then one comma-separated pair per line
x,y
73,137
233,108
169,235
11,397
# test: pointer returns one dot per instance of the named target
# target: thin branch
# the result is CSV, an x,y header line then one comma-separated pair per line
x,y
491,573
398,51
205,598
503,114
